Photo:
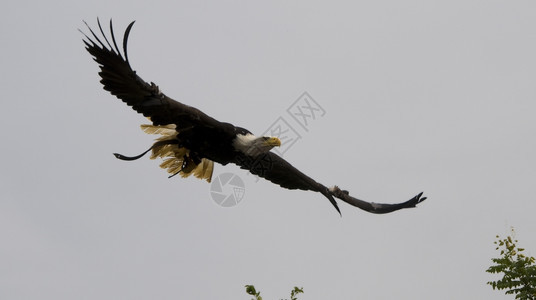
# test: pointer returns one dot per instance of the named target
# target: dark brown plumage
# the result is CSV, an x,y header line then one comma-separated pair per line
x,y
192,141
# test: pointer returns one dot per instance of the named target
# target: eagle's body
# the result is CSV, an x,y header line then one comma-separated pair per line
x,y
192,141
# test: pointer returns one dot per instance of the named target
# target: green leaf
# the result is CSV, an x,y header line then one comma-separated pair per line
x,y
519,271
250,289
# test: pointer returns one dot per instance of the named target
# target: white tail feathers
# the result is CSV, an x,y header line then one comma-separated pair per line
x,y
174,156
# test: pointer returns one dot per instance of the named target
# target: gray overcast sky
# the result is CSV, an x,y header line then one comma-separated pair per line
x,y
419,96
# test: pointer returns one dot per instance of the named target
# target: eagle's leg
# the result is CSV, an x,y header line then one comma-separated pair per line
x,y
189,162
194,158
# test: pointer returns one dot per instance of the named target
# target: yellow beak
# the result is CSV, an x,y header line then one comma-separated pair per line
x,y
273,142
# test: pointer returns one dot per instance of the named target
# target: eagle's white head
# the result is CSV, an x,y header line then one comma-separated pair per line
x,y
251,145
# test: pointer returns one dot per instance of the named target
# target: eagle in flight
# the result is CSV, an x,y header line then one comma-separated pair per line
x,y
191,141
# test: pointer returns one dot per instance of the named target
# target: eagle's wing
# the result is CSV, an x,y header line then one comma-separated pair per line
x,y
272,167
375,208
120,80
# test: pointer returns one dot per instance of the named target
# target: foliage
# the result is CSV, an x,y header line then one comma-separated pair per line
x,y
295,292
519,270
250,289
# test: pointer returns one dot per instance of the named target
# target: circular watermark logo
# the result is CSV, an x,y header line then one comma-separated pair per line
x,y
227,189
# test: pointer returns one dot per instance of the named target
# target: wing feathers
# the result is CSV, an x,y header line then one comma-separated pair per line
x,y
375,208
272,167
121,81
103,35
125,38
279,171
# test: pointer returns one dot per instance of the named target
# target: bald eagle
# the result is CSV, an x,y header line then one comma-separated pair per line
x,y
191,142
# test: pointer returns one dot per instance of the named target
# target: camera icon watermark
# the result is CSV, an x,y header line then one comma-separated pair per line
x,y
227,189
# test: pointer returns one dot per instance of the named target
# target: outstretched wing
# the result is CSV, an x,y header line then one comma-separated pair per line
x,y
277,170
272,167
120,80
375,208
